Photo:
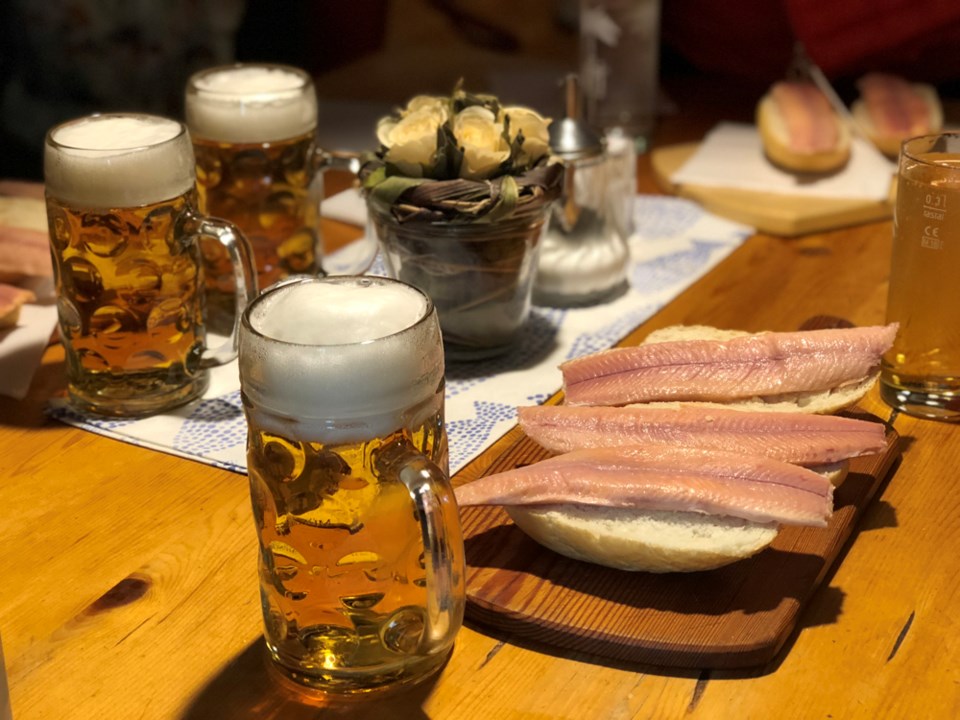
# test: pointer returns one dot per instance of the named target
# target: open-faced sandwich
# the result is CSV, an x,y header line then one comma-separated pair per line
x,y
800,130
891,109
689,451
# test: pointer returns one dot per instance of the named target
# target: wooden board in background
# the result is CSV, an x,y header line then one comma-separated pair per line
x,y
735,616
772,213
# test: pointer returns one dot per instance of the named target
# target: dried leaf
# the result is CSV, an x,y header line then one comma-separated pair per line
x,y
393,187
507,199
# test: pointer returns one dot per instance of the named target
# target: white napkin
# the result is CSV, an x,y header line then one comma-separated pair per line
x,y
731,156
21,348
347,206
356,257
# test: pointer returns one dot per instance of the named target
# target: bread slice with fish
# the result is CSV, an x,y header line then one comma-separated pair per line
x,y
800,131
655,508
11,300
702,402
819,371
891,109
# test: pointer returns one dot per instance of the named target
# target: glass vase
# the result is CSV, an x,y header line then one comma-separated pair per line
x,y
479,274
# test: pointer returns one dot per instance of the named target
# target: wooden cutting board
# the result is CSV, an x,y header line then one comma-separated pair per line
x,y
740,615
773,213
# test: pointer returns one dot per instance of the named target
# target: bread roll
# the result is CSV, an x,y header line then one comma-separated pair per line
x,y
654,541
891,110
800,131
11,300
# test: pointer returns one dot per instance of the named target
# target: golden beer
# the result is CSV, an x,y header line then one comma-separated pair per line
x,y
129,301
265,190
121,208
253,129
352,600
921,372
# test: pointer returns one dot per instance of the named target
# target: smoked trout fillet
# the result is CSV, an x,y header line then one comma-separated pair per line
x,y
797,438
710,482
762,365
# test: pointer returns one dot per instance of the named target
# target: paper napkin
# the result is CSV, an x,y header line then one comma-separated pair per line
x,y
731,156
21,348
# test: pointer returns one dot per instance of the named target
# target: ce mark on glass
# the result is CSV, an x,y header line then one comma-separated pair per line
x,y
931,237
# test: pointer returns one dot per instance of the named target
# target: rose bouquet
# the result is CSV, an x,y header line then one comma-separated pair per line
x,y
459,195
462,158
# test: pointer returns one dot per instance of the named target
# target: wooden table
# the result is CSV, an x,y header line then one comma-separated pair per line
x,y
129,583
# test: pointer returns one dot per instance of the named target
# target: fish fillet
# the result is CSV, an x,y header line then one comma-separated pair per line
x,y
895,107
791,437
762,365
659,478
811,122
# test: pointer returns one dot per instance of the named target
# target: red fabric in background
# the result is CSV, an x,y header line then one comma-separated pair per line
x,y
750,39
753,39
917,38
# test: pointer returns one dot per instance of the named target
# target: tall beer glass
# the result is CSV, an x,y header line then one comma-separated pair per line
x,y
361,553
254,133
124,229
921,372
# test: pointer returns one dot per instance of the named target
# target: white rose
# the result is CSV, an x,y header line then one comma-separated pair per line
x,y
411,141
481,137
427,102
536,138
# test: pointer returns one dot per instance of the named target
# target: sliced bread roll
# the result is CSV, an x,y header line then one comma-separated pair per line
x,y
656,541
891,110
653,541
11,300
800,131
671,541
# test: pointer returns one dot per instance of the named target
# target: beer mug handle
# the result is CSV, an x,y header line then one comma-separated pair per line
x,y
436,509
337,160
244,273
363,251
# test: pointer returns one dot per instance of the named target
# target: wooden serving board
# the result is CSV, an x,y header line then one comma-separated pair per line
x,y
736,616
773,213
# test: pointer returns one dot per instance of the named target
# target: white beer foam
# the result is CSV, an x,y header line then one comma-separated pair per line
x,y
250,104
118,161
340,360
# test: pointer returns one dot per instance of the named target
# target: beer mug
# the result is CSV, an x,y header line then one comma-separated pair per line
x,y
920,374
124,229
258,165
361,552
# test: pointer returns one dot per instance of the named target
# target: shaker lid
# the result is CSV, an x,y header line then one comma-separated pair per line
x,y
571,138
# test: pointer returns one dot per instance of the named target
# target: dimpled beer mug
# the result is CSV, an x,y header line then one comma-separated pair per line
x,y
921,373
361,553
124,235
254,133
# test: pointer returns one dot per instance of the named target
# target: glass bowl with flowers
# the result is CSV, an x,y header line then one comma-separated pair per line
x,y
459,197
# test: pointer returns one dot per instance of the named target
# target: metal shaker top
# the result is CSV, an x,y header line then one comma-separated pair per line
x,y
571,138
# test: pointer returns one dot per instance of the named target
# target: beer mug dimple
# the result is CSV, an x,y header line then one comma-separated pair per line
x,y
121,206
361,555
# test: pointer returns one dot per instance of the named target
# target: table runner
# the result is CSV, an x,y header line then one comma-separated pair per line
x,y
676,243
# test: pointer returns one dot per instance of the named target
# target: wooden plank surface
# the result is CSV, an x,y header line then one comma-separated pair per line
x,y
775,213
